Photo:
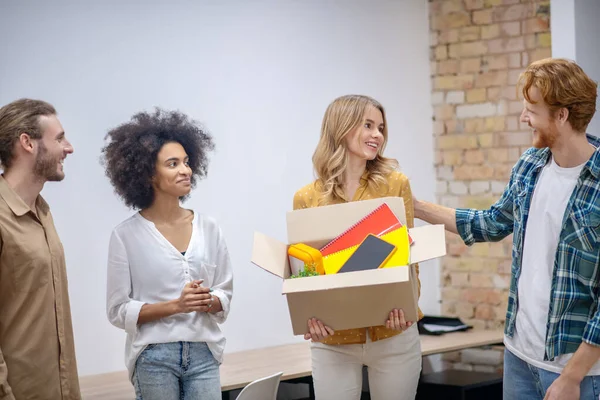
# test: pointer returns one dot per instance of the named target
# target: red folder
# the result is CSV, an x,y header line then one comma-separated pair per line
x,y
377,222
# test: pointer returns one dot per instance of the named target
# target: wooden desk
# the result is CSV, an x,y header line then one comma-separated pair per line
x,y
460,341
241,368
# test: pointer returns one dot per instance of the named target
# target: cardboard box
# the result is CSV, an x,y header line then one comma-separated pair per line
x,y
353,299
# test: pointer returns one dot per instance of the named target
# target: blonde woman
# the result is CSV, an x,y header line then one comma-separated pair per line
x,y
350,166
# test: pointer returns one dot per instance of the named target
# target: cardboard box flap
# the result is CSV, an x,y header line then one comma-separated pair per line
x,y
321,224
271,255
347,280
430,242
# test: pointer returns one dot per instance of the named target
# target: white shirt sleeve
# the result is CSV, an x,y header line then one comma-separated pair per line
x,y
223,281
122,311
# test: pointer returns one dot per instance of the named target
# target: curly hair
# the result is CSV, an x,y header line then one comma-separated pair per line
x,y
130,156
330,158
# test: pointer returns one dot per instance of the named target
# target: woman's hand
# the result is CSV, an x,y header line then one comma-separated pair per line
x,y
194,297
396,321
317,332
212,305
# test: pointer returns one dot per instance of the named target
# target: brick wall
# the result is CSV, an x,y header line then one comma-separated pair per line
x,y
478,49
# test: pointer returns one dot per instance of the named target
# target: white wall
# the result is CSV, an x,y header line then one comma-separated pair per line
x,y
259,75
587,33
575,33
562,26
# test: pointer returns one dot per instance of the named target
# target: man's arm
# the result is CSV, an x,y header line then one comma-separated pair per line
x,y
582,361
567,385
436,214
5,390
473,226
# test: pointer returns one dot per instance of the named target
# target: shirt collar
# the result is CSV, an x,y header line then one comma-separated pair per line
x,y
592,165
16,203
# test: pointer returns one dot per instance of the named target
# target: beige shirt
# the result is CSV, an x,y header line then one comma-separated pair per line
x,y
397,185
37,353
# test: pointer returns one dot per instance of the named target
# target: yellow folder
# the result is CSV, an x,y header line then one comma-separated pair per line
x,y
401,257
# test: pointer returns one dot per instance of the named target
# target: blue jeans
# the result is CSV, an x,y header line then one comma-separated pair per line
x,y
177,371
523,381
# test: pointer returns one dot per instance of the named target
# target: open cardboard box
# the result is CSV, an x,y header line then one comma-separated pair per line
x,y
353,299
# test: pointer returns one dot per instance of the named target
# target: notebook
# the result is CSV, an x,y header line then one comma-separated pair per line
x,y
372,253
401,257
377,222
401,239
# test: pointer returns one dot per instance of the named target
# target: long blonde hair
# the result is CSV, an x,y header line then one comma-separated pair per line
x,y
330,159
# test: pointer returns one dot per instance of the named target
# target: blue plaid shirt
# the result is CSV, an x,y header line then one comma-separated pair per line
x,y
574,315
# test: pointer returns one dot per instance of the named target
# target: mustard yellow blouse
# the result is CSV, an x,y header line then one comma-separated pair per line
x,y
397,185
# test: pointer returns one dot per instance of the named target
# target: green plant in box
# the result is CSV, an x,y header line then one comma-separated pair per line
x,y
308,270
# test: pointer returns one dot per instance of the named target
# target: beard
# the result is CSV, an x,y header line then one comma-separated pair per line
x,y
46,166
545,138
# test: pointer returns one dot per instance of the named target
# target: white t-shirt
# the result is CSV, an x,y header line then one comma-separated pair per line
x,y
544,224
144,267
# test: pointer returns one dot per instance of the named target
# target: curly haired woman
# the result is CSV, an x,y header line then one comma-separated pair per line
x,y
350,166
170,279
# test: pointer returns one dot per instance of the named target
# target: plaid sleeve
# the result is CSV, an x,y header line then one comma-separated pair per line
x,y
487,225
591,334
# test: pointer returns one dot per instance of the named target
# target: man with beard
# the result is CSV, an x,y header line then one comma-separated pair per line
x,y
37,355
551,206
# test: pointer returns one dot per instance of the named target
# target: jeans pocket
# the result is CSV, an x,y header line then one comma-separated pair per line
x,y
156,353
595,388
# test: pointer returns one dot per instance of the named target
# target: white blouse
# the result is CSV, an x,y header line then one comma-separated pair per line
x,y
144,267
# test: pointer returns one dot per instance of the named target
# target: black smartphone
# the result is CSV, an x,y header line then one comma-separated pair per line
x,y
372,253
